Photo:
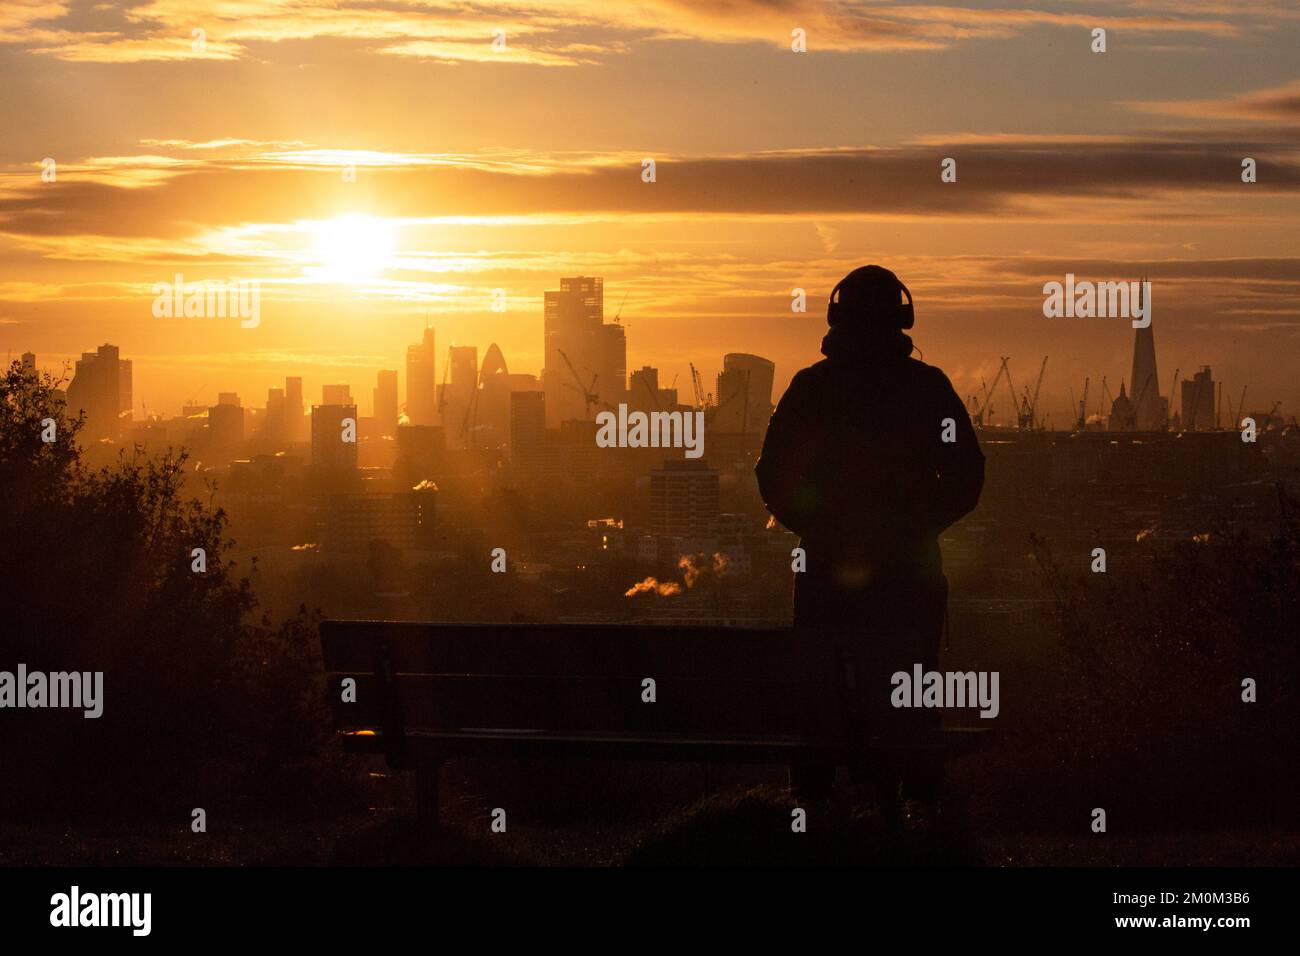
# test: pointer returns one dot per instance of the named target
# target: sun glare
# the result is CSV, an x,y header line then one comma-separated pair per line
x,y
350,248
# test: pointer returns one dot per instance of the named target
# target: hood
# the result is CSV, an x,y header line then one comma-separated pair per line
x,y
866,344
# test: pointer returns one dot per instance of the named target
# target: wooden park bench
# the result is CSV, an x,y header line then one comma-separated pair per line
x,y
427,693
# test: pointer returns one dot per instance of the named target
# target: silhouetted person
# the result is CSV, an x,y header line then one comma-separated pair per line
x,y
856,463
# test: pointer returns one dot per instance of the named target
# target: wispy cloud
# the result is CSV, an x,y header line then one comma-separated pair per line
x,y
558,32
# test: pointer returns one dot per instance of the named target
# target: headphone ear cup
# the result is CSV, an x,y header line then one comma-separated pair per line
x,y
833,307
906,317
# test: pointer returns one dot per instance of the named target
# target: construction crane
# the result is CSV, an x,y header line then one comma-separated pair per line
x,y
469,423
589,395
1173,389
988,398
986,407
620,309
1015,402
653,392
1028,418
190,400
1241,407
697,386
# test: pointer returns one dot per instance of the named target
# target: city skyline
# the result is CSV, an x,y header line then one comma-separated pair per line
x,y
452,391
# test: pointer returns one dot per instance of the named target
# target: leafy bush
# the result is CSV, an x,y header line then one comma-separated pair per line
x,y
201,702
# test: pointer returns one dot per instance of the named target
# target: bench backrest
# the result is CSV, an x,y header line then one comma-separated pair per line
x,y
579,678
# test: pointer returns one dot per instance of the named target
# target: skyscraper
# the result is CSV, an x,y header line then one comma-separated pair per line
x,y
492,411
572,320
294,410
611,370
744,396
225,429
328,449
340,394
1149,411
457,397
1198,401
644,393
527,427
273,428
101,387
422,382
386,402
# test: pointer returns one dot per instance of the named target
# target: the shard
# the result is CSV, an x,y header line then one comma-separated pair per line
x,y
1148,408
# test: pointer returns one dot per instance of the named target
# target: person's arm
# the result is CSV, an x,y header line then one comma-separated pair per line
x,y
784,468
960,464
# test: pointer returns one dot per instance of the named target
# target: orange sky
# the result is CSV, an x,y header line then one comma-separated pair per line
x,y
482,168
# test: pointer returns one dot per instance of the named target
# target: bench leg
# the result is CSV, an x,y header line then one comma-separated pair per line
x,y
426,793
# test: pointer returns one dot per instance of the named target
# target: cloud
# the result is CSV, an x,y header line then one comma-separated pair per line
x,y
551,32
1281,103
1031,180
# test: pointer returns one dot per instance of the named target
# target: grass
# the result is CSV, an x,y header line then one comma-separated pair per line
x,y
638,816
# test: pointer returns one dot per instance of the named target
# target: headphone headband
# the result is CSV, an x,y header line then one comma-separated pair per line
x,y
903,315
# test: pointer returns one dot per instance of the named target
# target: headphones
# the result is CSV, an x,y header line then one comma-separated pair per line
x,y
878,291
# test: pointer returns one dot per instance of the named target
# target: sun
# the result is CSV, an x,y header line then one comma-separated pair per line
x,y
350,248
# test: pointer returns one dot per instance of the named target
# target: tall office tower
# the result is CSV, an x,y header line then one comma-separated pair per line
x,y
744,403
496,385
1198,401
494,362
458,397
684,499
386,402
464,366
644,393
643,390
527,426
229,398
420,453
340,394
29,361
225,429
273,429
328,449
1148,409
295,412
100,385
611,381
422,382
571,327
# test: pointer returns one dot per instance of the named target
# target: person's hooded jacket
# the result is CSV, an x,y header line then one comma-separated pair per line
x,y
855,461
